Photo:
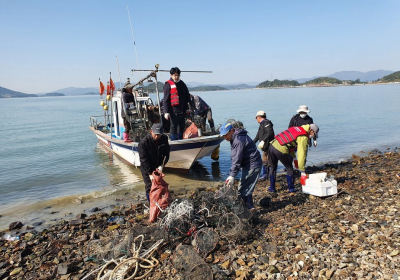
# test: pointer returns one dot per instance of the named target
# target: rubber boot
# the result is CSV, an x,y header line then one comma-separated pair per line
x,y
289,180
248,201
263,174
173,137
148,197
126,137
272,180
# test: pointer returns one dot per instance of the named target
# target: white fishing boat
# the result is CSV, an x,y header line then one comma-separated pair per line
x,y
109,129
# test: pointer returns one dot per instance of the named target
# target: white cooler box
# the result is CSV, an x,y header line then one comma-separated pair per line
x,y
318,185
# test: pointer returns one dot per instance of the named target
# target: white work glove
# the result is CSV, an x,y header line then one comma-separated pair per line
x,y
230,180
261,145
151,178
166,116
160,169
315,143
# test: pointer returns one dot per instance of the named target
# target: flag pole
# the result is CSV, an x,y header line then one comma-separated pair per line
x,y
111,110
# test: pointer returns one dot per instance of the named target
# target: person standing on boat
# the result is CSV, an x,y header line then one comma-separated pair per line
x,y
280,149
265,134
201,108
153,153
176,99
128,102
244,157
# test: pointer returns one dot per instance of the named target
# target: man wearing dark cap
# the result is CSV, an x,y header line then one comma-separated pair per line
x,y
154,154
280,150
176,98
244,157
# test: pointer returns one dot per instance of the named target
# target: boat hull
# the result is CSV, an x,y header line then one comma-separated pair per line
x,y
182,155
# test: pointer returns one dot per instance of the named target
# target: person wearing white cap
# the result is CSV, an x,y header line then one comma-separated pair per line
x,y
301,118
265,134
280,150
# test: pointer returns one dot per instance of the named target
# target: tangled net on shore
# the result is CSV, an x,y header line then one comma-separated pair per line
x,y
190,265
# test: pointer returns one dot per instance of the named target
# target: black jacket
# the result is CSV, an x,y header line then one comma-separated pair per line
x,y
299,121
184,98
265,133
152,155
199,106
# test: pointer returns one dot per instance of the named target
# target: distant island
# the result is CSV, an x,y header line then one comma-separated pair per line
x,y
54,94
327,81
393,77
7,93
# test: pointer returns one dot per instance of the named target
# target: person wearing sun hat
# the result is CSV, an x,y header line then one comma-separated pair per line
x,y
281,148
301,118
265,134
244,157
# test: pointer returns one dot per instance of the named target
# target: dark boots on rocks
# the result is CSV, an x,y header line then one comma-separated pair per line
x,y
290,183
272,179
248,201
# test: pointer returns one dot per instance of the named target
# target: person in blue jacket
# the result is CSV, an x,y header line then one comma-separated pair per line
x,y
244,157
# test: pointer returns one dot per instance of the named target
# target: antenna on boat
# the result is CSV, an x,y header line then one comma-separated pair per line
x,y
133,37
119,75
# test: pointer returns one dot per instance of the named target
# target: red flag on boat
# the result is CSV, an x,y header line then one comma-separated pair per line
x,y
112,87
101,88
108,88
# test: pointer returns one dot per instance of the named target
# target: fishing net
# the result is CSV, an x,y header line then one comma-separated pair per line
x,y
189,264
108,248
176,211
227,191
230,226
206,239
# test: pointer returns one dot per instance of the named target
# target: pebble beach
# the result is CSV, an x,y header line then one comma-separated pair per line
x,y
353,234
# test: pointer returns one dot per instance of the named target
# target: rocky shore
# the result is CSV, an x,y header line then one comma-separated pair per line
x,y
354,234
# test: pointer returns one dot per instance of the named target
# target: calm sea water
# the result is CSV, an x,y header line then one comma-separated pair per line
x,y
52,167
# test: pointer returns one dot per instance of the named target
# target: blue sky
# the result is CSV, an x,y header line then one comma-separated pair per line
x,y
49,45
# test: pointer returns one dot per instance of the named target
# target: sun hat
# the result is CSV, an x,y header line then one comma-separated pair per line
x,y
303,108
128,86
314,127
260,114
157,128
225,128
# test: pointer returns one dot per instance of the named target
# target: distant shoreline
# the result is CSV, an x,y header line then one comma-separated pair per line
x,y
254,88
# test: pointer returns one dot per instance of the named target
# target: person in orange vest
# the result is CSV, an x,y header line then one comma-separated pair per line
x,y
280,150
176,99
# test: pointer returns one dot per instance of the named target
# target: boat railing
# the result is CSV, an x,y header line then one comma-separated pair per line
x,y
99,123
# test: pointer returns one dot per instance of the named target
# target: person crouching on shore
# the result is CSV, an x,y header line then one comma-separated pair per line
x,y
290,139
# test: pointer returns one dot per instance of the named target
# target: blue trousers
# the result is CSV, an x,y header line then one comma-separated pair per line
x,y
248,181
